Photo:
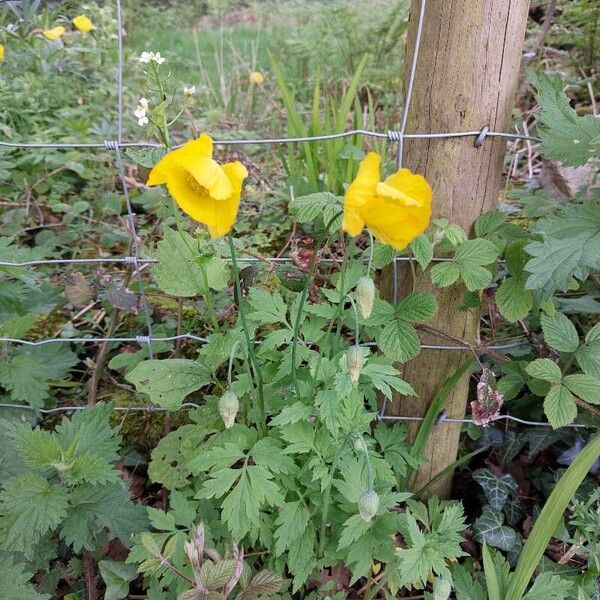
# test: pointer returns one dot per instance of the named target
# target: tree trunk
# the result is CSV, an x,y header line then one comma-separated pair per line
x,y
466,78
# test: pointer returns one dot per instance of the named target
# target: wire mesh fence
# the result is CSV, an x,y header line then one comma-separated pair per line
x,y
135,260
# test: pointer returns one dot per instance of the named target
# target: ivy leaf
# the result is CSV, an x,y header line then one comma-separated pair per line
x,y
545,369
566,137
29,507
116,576
514,301
560,407
291,523
167,382
178,271
496,489
583,386
489,529
559,332
14,582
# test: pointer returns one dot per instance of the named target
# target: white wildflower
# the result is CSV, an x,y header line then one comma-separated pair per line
x,y
189,91
158,59
148,57
141,112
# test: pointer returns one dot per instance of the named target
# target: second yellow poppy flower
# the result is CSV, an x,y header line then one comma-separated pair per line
x,y
396,210
205,190
55,33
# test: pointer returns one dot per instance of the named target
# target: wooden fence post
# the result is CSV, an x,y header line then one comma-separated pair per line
x,y
466,76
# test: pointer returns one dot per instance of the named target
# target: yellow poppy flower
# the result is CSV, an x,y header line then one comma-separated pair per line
x,y
256,77
1,53
396,211
205,190
54,33
83,23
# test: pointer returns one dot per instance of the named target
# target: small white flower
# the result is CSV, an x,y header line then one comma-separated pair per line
x,y
141,111
144,103
190,91
146,57
158,59
143,121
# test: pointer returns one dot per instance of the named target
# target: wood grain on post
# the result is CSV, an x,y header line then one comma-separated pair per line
x,y
466,78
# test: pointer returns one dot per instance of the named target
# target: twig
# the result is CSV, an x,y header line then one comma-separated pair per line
x,y
90,575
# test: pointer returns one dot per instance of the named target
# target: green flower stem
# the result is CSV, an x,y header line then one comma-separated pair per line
x,y
311,271
327,498
356,322
230,367
371,250
212,313
253,359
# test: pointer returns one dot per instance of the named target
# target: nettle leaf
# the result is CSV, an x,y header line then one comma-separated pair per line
x,y
116,576
15,582
146,157
566,137
559,332
549,587
167,382
307,209
29,508
418,307
560,407
496,489
583,386
545,369
513,299
588,355
291,523
489,529
180,272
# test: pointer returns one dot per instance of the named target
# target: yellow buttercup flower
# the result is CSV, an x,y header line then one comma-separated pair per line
x,y
396,210
83,23
205,190
54,33
1,53
256,77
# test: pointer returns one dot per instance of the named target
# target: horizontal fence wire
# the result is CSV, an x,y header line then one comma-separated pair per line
x,y
136,260
149,408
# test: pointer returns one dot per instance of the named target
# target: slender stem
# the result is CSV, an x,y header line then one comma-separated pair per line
x,y
372,593
356,323
304,294
231,357
327,498
371,250
249,342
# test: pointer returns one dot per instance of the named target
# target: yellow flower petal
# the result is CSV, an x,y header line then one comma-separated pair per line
x,y
83,23
359,193
206,191
203,146
54,33
256,77
401,209
1,53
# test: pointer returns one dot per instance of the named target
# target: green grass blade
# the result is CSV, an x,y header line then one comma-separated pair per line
x,y
549,518
435,408
491,576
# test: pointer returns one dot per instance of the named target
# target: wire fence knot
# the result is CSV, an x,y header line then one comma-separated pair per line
x,y
142,339
480,139
111,144
394,136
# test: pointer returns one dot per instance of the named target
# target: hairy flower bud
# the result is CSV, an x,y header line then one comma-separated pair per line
x,y
365,295
355,359
360,446
228,408
368,503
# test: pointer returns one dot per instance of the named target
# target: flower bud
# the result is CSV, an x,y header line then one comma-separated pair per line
x,y
228,408
368,503
355,359
365,295
360,446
